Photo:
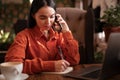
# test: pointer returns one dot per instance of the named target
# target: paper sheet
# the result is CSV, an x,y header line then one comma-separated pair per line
x,y
69,69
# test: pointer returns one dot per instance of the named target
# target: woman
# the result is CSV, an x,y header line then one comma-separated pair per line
x,y
37,46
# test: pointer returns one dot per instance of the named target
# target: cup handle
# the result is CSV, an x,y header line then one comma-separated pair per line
x,y
16,71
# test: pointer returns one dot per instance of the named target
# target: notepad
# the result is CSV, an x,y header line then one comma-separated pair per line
x,y
69,69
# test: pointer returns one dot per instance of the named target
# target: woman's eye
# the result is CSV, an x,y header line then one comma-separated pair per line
x,y
45,17
42,18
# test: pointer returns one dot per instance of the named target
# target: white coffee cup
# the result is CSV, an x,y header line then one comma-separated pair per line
x,y
11,70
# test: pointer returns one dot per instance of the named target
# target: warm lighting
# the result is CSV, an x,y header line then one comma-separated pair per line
x,y
101,35
30,1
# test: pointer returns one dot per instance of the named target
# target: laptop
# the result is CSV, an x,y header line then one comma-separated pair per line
x,y
110,66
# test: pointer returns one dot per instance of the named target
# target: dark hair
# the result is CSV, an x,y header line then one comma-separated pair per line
x,y
35,6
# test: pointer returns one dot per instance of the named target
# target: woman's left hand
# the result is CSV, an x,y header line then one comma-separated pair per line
x,y
62,22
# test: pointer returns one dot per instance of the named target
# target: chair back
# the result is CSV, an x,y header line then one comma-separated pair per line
x,y
81,23
75,19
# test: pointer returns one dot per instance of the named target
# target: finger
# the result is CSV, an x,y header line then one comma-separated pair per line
x,y
67,63
60,68
64,65
59,17
63,68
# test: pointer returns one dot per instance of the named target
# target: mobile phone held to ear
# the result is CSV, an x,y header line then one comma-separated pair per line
x,y
57,26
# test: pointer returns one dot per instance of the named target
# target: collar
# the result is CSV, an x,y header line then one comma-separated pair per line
x,y
39,33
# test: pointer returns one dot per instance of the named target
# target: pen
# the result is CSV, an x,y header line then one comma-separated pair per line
x,y
60,52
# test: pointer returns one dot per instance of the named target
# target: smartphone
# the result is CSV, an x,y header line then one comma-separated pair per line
x,y
57,22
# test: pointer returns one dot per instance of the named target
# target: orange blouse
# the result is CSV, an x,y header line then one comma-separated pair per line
x,y
39,54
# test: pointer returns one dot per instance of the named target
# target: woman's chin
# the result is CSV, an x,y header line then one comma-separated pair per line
x,y
45,28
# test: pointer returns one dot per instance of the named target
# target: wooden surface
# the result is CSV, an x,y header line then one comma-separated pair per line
x,y
56,76
61,77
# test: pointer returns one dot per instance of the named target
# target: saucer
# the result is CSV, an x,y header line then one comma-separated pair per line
x,y
23,76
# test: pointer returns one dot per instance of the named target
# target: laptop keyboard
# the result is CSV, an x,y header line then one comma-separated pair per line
x,y
93,74
85,73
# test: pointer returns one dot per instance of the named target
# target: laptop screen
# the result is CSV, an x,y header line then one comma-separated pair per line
x,y
111,65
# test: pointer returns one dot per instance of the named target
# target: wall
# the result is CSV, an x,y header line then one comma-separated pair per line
x,y
65,3
9,13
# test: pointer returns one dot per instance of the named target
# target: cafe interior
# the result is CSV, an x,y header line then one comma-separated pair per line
x,y
85,18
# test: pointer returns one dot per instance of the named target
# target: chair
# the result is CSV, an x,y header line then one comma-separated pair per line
x,y
76,20
89,36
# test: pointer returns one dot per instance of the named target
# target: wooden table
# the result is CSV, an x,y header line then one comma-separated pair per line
x,y
57,76
61,77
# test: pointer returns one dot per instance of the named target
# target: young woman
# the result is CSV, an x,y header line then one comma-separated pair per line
x,y
40,45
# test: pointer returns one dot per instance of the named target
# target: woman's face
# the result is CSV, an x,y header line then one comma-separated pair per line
x,y
45,17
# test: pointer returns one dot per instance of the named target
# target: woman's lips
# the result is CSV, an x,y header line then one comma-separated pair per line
x,y
45,27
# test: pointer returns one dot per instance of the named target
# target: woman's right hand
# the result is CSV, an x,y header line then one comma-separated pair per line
x,y
61,65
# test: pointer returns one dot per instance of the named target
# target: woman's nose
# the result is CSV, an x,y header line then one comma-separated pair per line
x,y
48,21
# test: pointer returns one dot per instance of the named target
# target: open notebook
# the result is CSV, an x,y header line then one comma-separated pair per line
x,y
69,69
110,67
